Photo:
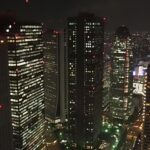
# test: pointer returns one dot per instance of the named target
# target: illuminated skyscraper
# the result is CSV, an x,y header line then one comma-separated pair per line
x,y
146,114
5,111
138,84
25,55
85,71
121,75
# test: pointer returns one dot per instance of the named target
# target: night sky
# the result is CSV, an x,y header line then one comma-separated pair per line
x,y
133,13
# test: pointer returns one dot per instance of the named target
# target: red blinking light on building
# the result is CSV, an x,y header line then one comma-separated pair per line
x,y
27,1
93,56
1,107
104,19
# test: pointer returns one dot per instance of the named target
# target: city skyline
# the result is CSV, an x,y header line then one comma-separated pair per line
x,y
74,75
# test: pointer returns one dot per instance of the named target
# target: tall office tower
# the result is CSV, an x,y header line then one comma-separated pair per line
x,y
106,86
54,75
146,117
25,55
5,110
85,71
51,76
107,70
121,76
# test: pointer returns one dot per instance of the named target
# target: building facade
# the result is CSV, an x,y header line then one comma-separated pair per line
x,y
54,87
121,75
51,75
85,70
106,73
25,61
146,113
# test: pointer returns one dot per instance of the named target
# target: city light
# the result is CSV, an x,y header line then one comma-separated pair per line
x,y
73,80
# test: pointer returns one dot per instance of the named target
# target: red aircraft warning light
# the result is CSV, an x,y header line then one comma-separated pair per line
x,y
1,106
104,18
27,1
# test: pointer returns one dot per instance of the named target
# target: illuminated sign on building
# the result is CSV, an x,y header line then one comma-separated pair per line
x,y
139,71
138,80
139,88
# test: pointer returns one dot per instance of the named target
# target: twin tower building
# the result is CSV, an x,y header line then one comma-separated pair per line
x,y
78,77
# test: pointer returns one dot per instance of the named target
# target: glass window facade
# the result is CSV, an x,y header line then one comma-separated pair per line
x,y
146,113
52,75
121,75
25,55
85,71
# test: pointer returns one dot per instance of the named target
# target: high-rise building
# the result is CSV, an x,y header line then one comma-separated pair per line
x,y
138,85
5,110
121,75
54,75
146,113
51,75
106,76
106,73
106,86
25,61
85,71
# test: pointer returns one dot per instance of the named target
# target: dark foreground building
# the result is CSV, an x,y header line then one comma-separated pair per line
x,y
85,70
5,111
